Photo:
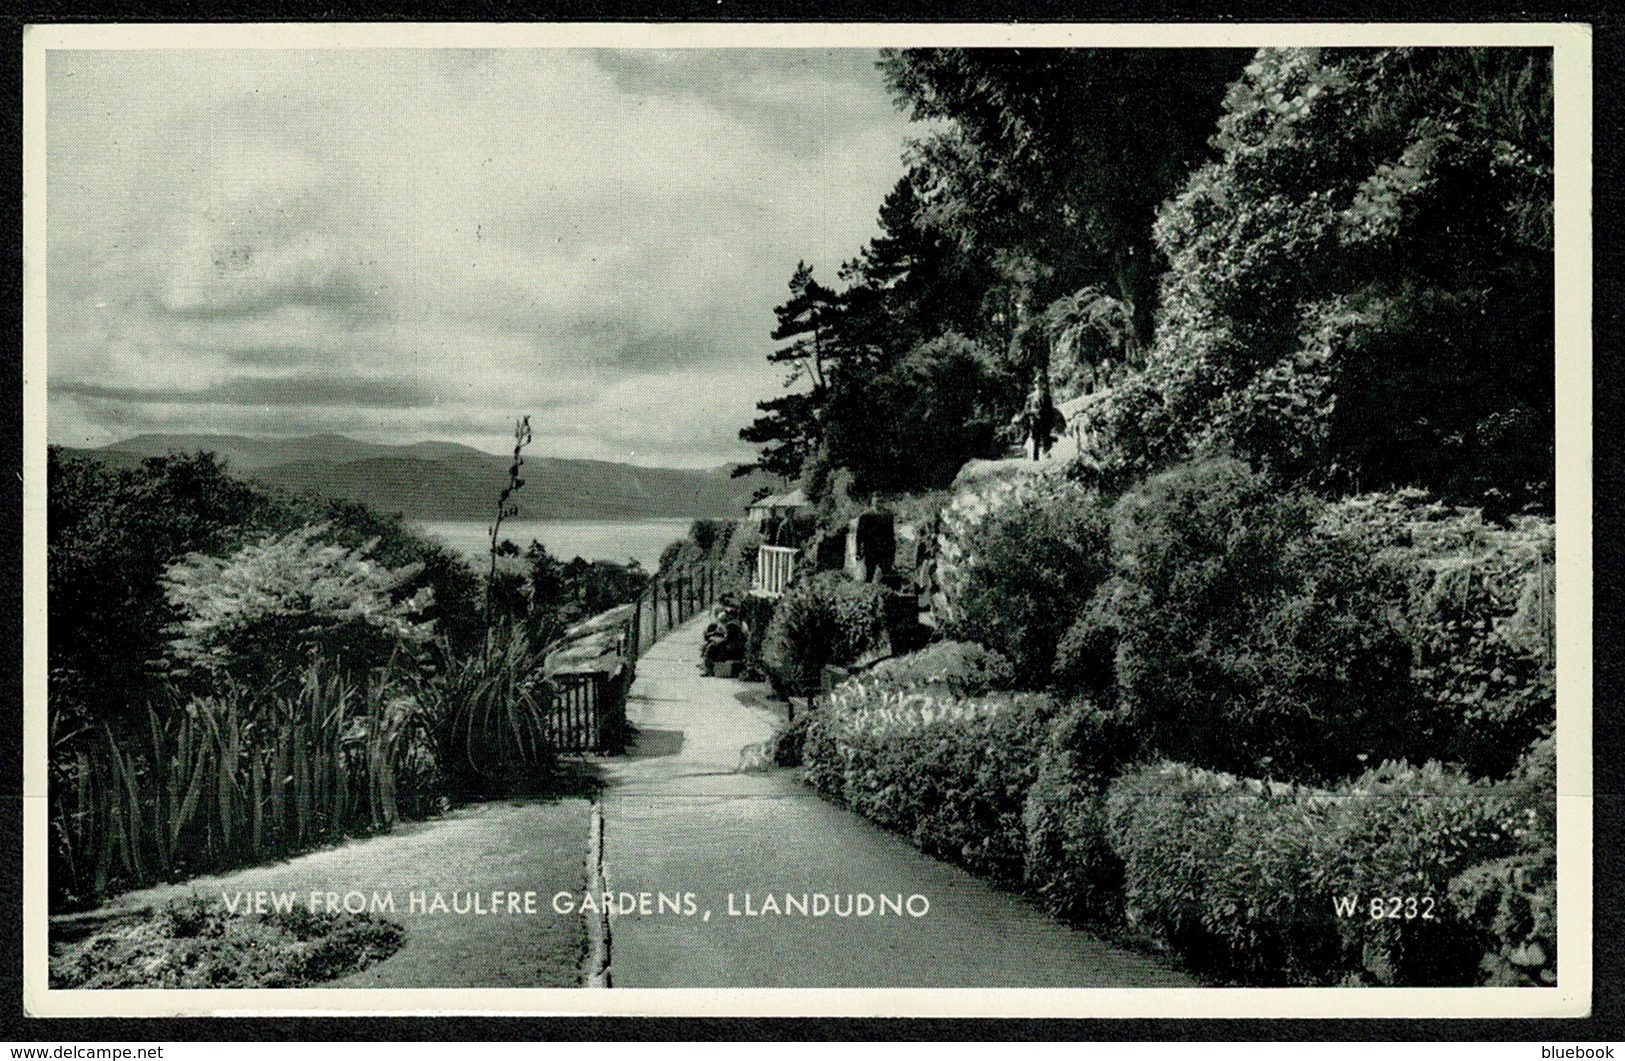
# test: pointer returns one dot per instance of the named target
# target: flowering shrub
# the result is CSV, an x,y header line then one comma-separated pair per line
x,y
962,668
947,772
266,607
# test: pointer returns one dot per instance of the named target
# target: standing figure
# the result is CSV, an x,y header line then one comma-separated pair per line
x,y
1041,422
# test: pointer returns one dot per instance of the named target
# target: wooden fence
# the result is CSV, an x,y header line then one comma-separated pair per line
x,y
588,708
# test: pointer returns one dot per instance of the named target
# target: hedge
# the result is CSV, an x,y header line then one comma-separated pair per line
x,y
950,773
1243,878
1246,881
1071,866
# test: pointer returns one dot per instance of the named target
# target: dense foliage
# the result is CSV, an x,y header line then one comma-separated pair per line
x,y
962,668
562,593
112,533
1242,878
1359,291
1035,182
1245,641
1479,616
261,611
1070,864
1029,565
115,531
1330,273
238,674
238,773
821,620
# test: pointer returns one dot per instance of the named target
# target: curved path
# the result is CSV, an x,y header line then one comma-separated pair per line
x,y
690,813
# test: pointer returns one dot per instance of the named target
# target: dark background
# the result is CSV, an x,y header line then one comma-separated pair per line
x,y
1607,1020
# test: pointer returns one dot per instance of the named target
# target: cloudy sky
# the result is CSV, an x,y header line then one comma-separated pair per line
x,y
402,244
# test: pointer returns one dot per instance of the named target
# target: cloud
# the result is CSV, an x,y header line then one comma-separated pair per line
x,y
452,238
271,392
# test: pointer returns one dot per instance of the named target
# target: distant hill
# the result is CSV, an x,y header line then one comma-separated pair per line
x,y
444,480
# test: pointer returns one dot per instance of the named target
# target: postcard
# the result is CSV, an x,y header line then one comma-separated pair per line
x,y
808,519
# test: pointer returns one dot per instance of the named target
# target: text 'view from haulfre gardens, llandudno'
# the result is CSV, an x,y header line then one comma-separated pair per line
x,y
848,516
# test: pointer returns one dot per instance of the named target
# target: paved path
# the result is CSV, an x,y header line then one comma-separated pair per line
x,y
680,817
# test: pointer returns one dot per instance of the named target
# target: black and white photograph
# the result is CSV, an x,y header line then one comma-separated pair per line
x,y
808,520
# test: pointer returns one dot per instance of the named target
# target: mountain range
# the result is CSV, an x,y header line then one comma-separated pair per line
x,y
448,481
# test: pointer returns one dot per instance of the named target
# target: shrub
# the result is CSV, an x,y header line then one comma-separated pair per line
x,y
1218,870
195,944
738,564
1408,831
1029,567
710,536
1086,658
790,741
492,716
1070,864
962,668
1512,901
951,774
456,593
1247,642
1479,614
111,533
822,620
1243,878
266,607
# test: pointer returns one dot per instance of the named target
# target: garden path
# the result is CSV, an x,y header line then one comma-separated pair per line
x,y
681,816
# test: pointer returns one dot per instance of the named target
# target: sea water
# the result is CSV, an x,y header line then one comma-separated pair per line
x,y
640,540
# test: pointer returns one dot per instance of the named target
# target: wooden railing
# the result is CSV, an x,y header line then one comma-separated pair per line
x,y
775,568
667,602
588,710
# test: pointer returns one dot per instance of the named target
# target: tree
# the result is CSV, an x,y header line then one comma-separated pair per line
x,y
1058,158
877,356
788,432
789,428
1360,289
